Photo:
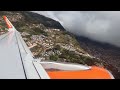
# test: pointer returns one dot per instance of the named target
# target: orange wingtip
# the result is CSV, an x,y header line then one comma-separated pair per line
x,y
7,22
93,73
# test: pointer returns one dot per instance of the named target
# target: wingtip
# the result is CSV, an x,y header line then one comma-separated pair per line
x,y
4,17
7,22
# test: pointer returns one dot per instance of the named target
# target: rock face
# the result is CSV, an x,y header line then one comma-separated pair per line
x,y
48,40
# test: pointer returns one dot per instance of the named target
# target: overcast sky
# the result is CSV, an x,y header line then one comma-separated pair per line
x,y
103,26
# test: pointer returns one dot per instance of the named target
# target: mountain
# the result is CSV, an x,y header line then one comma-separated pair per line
x,y
109,54
48,40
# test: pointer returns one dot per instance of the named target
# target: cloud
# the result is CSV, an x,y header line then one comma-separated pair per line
x,y
103,26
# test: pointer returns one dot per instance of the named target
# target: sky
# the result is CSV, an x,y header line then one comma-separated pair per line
x,y
102,26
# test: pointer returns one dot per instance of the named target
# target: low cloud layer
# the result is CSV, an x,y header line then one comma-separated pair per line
x,y
103,26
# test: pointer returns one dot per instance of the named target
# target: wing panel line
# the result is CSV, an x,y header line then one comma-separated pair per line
x,y
21,57
4,36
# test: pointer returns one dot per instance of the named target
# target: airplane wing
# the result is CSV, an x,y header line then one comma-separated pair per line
x,y
16,60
